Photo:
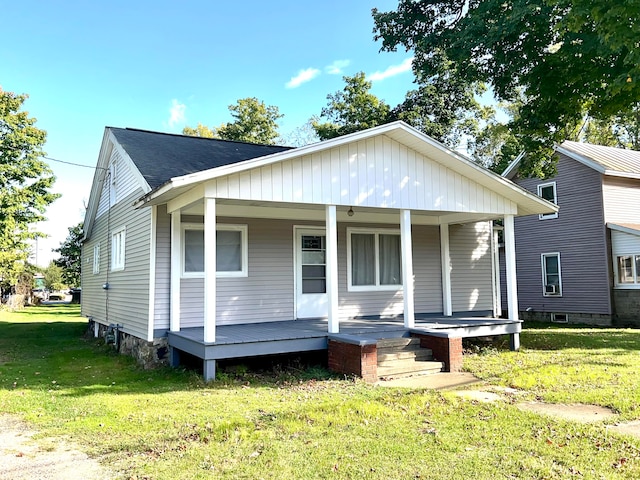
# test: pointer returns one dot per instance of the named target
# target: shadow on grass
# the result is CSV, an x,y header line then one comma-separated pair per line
x,y
57,356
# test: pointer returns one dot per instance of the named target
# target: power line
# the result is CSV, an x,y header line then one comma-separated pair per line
x,y
59,161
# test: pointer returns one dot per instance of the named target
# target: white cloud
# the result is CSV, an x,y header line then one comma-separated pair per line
x,y
303,76
336,68
392,71
176,113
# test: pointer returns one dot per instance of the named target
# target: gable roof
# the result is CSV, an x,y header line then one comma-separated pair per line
x,y
630,228
612,161
162,156
398,131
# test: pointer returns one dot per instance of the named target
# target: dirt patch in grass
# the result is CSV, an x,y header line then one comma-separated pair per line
x,y
22,457
627,428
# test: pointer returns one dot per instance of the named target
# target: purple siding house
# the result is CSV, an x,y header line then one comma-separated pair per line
x,y
582,264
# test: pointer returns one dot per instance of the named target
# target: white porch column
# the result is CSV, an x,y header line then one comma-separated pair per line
x,y
497,296
445,261
332,268
209,270
510,263
176,272
407,269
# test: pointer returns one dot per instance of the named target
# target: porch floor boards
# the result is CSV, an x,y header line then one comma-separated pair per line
x,y
235,341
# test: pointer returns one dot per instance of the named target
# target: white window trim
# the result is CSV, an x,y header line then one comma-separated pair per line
x,y
244,247
546,216
96,259
636,274
377,287
544,279
118,263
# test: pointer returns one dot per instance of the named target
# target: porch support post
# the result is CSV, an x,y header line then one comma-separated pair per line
x,y
497,296
209,270
445,261
510,263
176,271
407,268
332,268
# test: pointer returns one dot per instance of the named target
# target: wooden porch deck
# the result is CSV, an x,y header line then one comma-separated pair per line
x,y
248,340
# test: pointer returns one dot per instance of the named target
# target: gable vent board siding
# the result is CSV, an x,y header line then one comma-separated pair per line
x,y
471,268
621,200
376,172
579,234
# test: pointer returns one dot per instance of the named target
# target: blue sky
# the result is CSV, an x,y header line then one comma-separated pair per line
x,y
162,65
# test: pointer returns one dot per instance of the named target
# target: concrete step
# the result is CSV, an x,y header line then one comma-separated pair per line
x,y
397,342
410,368
419,354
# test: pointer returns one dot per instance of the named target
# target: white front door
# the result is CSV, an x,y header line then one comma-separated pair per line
x,y
311,273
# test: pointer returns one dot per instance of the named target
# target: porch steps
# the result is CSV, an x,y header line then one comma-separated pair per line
x,y
403,356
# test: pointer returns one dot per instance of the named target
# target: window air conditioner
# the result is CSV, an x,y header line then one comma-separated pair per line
x,y
551,289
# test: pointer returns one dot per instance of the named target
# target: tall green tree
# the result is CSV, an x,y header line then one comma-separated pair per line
x,y
353,109
53,277
569,58
253,122
25,183
446,112
70,256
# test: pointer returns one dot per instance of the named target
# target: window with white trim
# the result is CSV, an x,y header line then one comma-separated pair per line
x,y
548,192
231,250
96,259
118,249
628,270
551,275
374,259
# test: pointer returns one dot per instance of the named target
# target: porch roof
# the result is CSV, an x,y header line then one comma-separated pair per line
x,y
391,166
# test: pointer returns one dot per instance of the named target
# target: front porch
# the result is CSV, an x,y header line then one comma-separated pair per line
x,y
269,338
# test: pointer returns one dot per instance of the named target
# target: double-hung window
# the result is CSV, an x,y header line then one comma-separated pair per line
x,y
551,275
118,249
374,261
548,192
628,270
231,250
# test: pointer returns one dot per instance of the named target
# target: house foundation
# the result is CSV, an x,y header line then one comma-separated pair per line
x,y
627,307
147,354
352,355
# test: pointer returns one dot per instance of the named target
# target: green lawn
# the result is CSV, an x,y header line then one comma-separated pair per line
x,y
167,424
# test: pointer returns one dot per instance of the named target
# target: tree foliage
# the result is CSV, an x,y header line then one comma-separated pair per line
x,y
570,59
25,182
254,122
445,112
53,277
70,256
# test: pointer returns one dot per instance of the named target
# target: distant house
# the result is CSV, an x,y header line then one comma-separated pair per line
x,y
223,249
582,264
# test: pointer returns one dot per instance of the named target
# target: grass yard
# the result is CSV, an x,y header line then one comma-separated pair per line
x,y
167,424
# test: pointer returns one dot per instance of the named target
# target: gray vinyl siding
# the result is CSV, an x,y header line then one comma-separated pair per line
x,y
126,302
621,200
268,293
163,268
471,267
578,234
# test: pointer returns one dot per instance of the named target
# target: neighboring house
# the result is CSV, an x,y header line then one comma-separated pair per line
x,y
187,236
582,264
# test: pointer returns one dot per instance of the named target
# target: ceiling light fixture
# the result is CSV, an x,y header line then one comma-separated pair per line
x,y
350,212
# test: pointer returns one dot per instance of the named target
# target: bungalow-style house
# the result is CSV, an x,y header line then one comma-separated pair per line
x,y
582,264
222,249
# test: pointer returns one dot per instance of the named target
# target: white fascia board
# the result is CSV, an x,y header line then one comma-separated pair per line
x,y
98,179
624,229
615,173
513,166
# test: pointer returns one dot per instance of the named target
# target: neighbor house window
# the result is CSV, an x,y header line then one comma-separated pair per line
x,y
231,250
118,250
96,259
628,267
548,192
374,259
551,275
